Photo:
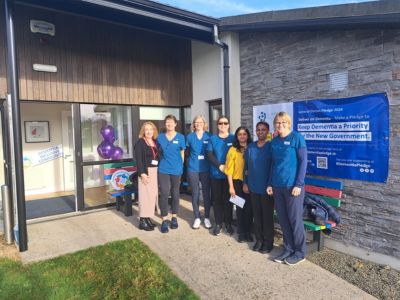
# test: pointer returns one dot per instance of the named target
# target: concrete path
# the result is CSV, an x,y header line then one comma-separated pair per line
x,y
214,267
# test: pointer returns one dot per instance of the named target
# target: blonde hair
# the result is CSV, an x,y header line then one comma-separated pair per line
x,y
155,131
285,117
203,119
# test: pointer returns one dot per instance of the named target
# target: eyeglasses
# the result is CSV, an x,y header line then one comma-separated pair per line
x,y
280,123
223,123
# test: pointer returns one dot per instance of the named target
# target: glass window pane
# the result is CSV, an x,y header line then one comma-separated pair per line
x,y
157,115
187,112
215,109
95,187
94,118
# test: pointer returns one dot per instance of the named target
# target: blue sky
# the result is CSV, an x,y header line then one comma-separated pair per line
x,y
221,8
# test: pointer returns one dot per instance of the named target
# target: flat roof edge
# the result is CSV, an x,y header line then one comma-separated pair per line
x,y
327,15
392,20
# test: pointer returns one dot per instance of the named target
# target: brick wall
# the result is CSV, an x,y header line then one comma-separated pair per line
x,y
283,67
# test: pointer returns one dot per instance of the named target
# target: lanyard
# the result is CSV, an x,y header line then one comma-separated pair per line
x,y
155,152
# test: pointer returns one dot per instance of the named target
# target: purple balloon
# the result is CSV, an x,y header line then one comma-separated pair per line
x,y
104,149
116,153
107,133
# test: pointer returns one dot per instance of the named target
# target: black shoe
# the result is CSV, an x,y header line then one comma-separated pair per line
x,y
241,238
257,246
149,222
229,229
217,229
265,248
249,237
144,226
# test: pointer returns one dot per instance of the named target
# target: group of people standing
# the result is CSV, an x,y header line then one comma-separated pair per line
x,y
267,174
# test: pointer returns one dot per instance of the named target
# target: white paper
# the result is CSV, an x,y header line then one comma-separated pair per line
x,y
239,201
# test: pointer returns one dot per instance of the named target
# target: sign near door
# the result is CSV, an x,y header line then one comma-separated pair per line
x,y
43,156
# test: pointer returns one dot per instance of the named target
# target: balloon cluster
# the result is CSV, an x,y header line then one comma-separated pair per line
x,y
106,149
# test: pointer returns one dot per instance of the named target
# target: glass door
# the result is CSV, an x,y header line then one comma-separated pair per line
x,y
2,158
106,138
48,159
68,150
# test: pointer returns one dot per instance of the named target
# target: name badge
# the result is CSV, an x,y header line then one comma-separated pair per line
x,y
200,157
154,162
287,143
175,142
229,144
205,142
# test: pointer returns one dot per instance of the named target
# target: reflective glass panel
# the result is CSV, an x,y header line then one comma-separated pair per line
x,y
106,132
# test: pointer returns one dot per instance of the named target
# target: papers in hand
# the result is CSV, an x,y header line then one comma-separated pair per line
x,y
239,201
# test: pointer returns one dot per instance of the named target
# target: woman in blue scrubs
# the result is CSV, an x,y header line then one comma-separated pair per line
x,y
172,146
198,170
256,175
289,165
217,149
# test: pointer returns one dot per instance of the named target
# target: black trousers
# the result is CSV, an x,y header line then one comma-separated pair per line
x,y
220,200
169,184
245,214
263,210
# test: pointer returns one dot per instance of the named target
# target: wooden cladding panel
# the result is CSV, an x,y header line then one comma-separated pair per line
x,y
100,62
3,66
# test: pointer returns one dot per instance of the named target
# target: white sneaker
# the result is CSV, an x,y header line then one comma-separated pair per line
x,y
196,223
207,223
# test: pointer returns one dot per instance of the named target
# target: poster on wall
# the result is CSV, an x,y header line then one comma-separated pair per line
x,y
346,138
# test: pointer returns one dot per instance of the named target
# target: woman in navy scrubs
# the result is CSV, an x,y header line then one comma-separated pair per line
x,y
256,174
172,147
198,169
289,165
217,149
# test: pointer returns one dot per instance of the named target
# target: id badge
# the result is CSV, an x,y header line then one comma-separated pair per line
x,y
200,157
287,143
154,162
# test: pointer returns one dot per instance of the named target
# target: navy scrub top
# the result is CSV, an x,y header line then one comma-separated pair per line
x,y
257,167
198,161
171,162
284,159
220,148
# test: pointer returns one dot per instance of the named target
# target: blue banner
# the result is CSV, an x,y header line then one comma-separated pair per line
x,y
346,138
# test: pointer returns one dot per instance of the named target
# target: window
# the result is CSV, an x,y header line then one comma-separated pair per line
x,y
215,111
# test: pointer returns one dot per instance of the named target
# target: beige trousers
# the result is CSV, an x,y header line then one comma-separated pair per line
x,y
148,195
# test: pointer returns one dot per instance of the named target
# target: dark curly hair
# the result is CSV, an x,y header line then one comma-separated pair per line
x,y
236,142
263,123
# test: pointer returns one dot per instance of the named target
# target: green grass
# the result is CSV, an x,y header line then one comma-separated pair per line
x,y
119,270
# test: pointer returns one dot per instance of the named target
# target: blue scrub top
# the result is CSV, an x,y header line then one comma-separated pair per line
x,y
171,162
220,148
198,161
284,159
257,167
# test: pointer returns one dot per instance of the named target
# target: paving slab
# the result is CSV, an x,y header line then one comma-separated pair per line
x,y
214,267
